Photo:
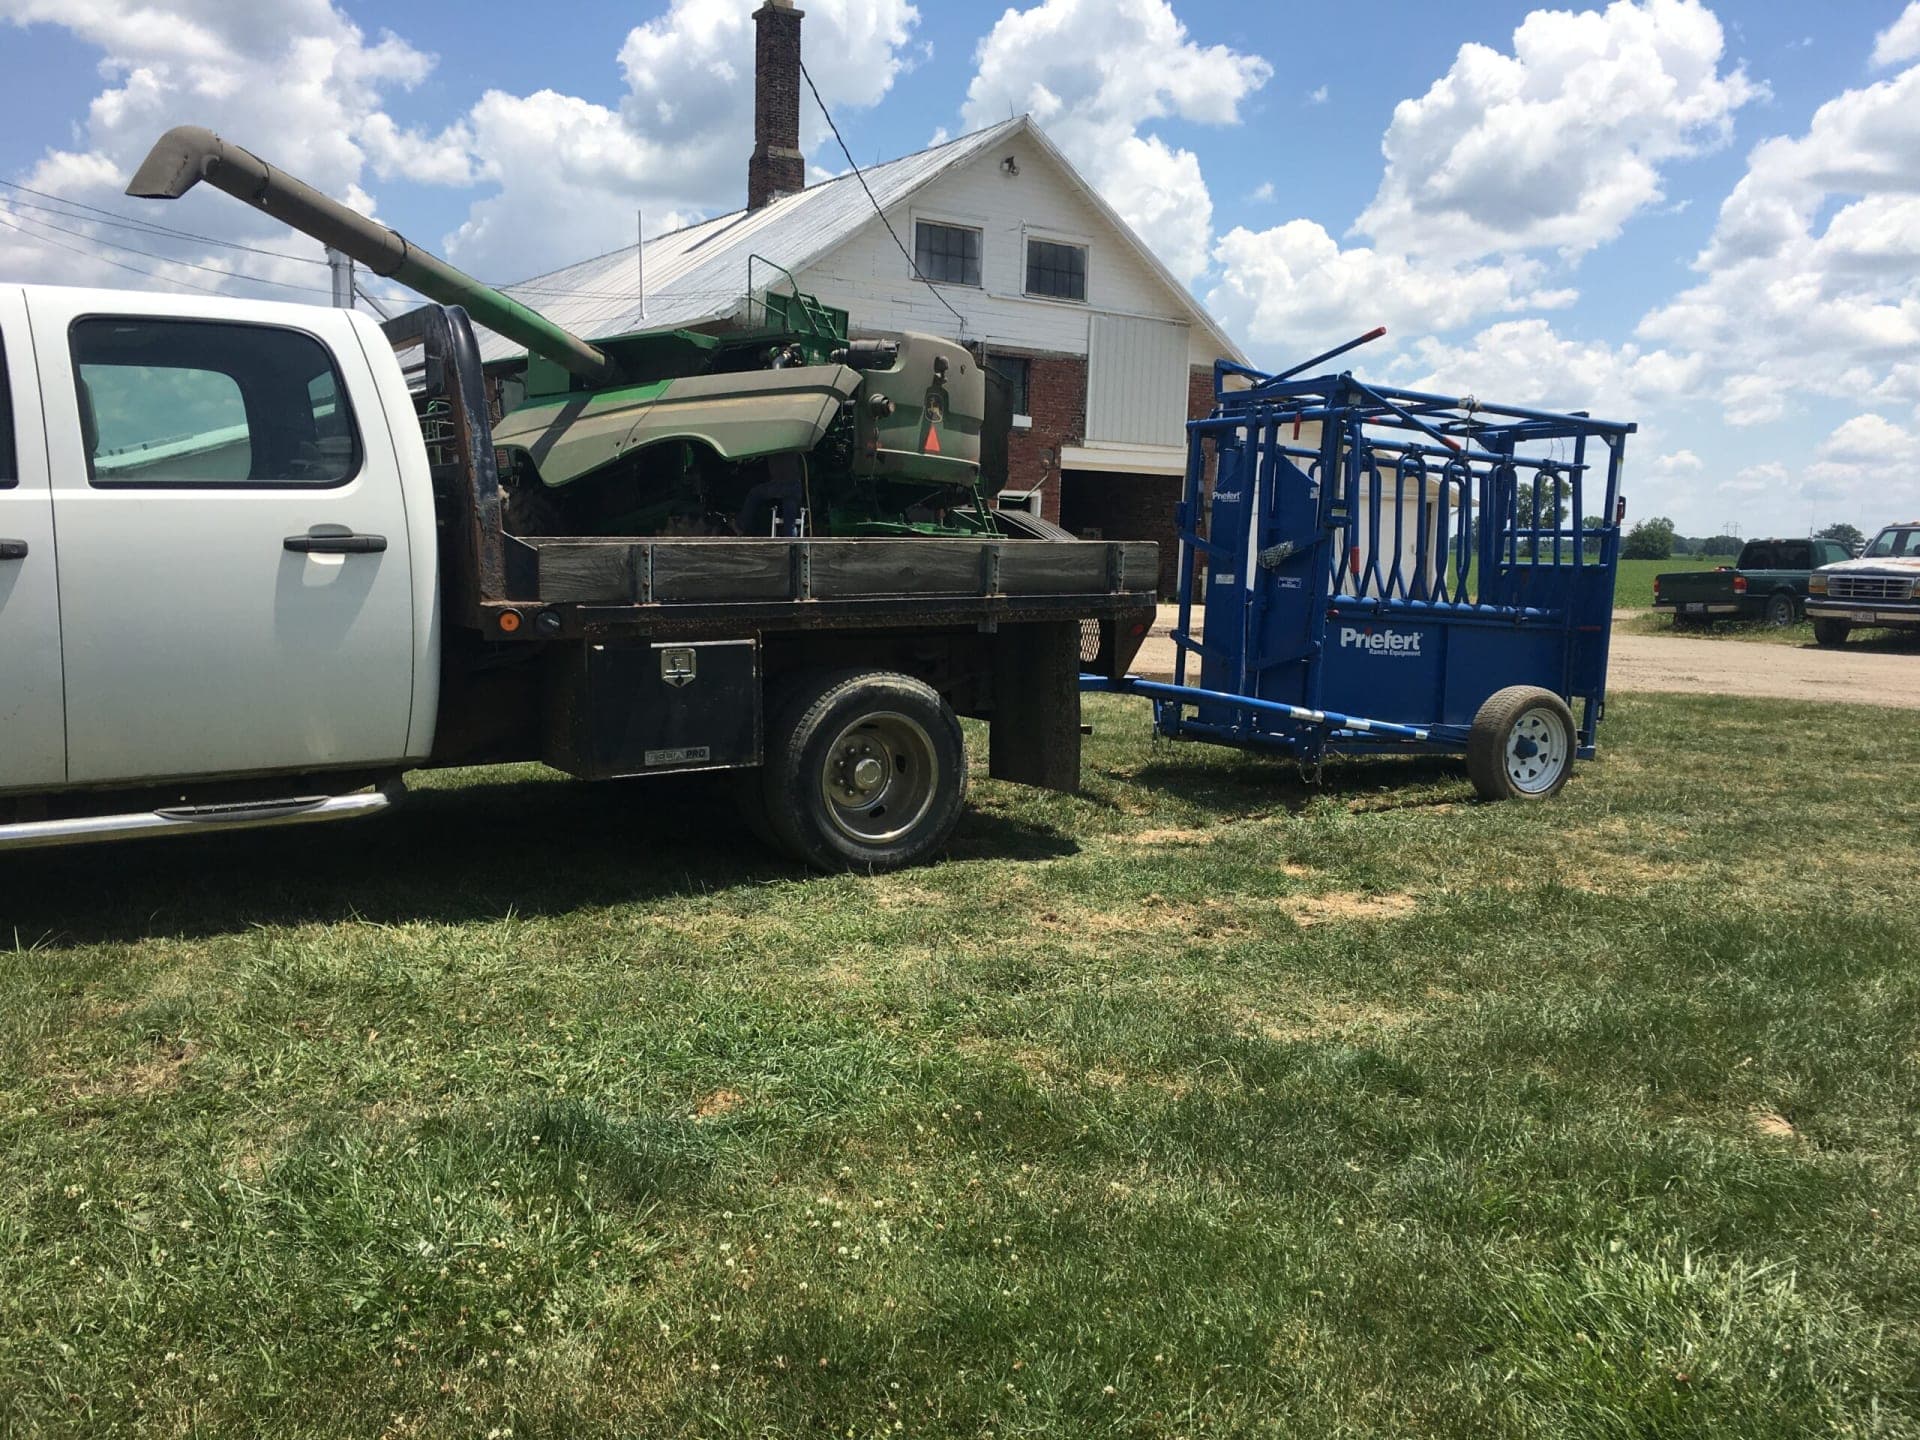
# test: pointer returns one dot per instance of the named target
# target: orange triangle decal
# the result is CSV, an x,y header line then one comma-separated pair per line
x,y
933,441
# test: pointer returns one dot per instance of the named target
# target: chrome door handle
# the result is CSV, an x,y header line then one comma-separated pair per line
x,y
335,544
13,549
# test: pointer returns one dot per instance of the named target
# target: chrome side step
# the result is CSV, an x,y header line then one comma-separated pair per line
x,y
201,819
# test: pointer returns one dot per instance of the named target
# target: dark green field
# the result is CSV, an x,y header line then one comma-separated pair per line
x,y
1207,1103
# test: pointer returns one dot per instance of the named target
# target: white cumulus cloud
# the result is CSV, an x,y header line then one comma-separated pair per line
x,y
1096,74
1293,287
569,172
296,80
1900,41
1560,142
1810,283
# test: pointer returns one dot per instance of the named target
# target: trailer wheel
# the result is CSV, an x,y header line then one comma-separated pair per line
x,y
1521,745
1831,634
866,770
1781,611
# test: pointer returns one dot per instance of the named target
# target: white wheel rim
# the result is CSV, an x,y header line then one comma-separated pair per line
x,y
1539,746
879,777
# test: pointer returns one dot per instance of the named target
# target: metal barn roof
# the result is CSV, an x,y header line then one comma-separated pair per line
x,y
698,275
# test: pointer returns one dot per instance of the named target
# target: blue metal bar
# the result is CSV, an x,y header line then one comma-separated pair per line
x,y
1188,694
1325,355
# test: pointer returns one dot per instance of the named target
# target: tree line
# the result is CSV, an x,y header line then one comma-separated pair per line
x,y
1654,539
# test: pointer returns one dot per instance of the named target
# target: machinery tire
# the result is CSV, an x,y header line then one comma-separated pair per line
x,y
1521,744
866,770
1018,525
1831,634
531,510
1781,611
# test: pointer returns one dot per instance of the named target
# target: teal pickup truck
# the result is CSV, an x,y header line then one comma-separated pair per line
x,y
1768,582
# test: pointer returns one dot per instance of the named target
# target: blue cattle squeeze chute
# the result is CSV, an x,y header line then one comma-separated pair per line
x,y
1383,571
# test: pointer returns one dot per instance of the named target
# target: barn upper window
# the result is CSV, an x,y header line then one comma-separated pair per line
x,y
1056,271
949,254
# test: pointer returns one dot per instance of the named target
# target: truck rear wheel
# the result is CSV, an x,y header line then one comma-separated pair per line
x,y
865,770
1831,634
1521,744
1781,611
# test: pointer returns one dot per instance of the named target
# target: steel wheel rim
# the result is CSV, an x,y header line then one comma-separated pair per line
x,y
1538,748
879,777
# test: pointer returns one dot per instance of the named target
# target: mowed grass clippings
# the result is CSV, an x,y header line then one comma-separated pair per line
x,y
1205,1103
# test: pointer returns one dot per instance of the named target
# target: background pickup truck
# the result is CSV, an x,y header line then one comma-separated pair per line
x,y
1881,589
1768,581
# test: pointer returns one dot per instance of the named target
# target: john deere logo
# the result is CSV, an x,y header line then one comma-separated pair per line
x,y
935,410
1380,642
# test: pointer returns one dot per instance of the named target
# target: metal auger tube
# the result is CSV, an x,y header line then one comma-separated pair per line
x,y
188,154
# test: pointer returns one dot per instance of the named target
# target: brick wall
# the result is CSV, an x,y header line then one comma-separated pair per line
x,y
1057,401
776,166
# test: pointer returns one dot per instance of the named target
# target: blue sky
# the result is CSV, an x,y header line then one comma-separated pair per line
x,y
1642,208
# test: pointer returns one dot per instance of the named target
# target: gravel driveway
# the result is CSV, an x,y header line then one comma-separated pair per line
x,y
1705,667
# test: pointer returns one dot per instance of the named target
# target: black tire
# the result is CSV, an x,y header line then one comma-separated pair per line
x,y
1781,611
865,770
1831,634
1521,744
1019,525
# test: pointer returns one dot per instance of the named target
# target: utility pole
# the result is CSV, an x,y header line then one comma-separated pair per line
x,y
342,267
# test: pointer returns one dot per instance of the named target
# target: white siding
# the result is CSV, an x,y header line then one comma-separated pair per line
x,y
1137,382
869,277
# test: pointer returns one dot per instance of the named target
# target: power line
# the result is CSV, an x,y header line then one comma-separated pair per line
x,y
168,259
114,217
911,265
135,269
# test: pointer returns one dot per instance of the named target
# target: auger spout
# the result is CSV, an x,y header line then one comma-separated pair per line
x,y
188,154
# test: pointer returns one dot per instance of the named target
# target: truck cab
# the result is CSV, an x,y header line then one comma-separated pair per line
x,y
240,586
1881,589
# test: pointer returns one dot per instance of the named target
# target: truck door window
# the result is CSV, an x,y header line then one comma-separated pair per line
x,y
1894,543
195,403
9,463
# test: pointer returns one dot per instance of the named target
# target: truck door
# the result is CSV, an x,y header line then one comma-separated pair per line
x,y
235,580
33,752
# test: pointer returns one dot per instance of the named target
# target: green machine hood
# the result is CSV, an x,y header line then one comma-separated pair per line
x,y
738,415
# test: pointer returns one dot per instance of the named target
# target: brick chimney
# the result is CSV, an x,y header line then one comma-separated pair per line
x,y
776,167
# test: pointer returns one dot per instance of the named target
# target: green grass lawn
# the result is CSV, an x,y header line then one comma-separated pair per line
x,y
1205,1103
1871,641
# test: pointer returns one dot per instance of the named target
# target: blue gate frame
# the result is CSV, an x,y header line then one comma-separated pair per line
x,y
1373,563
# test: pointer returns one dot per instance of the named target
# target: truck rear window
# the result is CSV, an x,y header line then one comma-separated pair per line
x,y
191,402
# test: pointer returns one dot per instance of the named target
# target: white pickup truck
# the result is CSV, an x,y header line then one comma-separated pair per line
x,y
253,568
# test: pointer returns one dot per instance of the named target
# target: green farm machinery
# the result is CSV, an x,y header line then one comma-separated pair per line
x,y
787,426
